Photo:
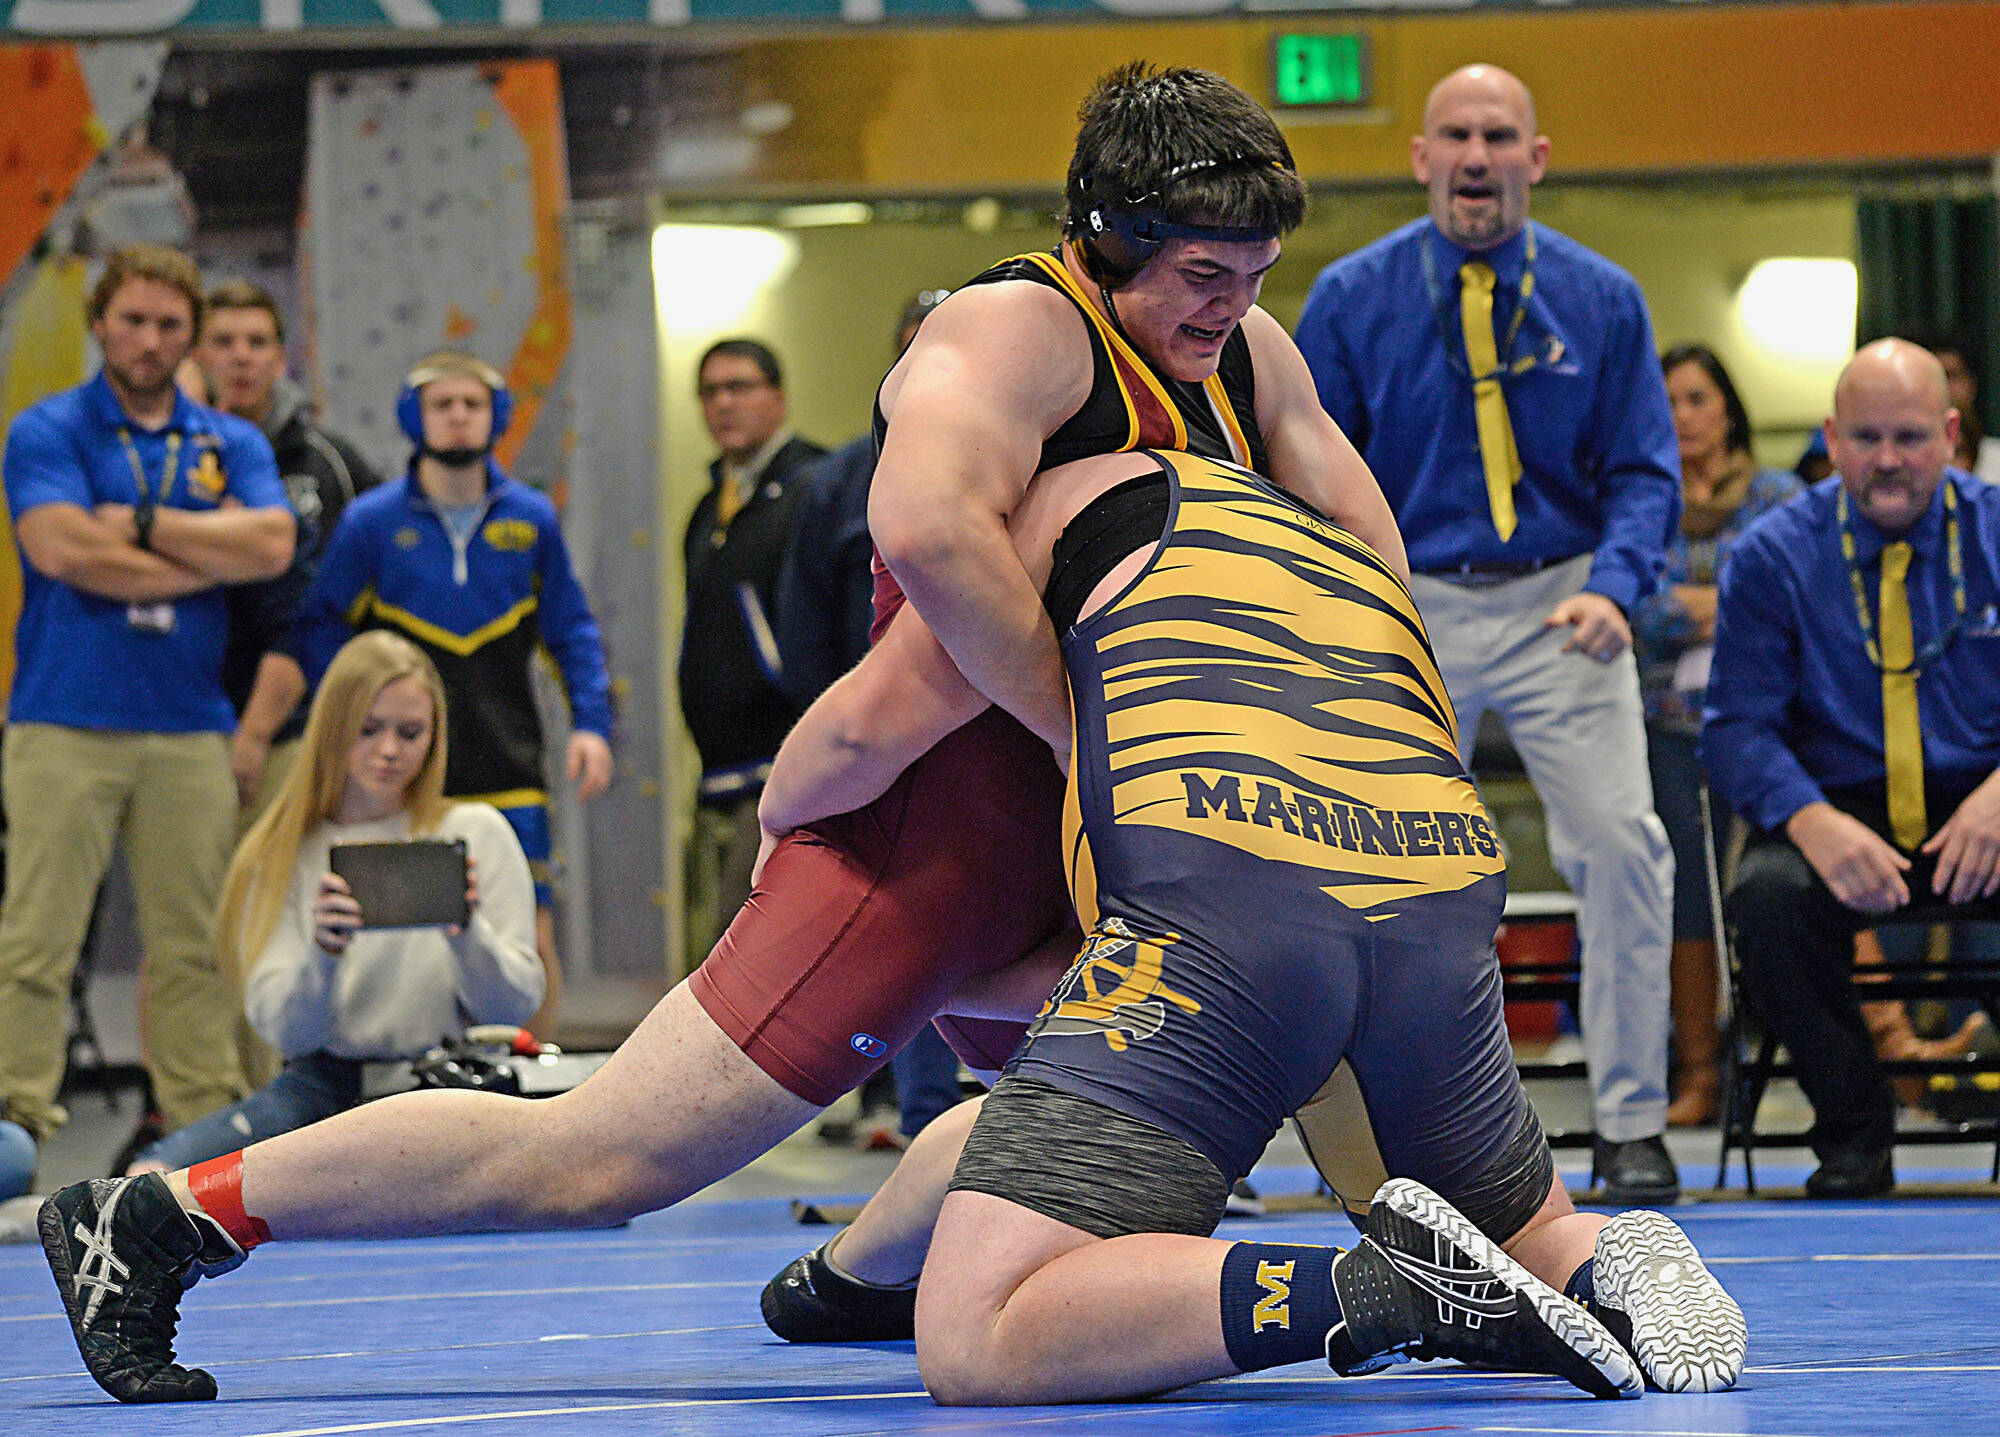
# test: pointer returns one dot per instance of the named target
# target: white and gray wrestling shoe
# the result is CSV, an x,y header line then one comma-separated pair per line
x,y
1659,1300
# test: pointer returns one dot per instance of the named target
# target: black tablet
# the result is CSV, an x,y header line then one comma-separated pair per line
x,y
415,883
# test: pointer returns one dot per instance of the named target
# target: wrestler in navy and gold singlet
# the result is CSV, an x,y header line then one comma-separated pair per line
x,y
1279,857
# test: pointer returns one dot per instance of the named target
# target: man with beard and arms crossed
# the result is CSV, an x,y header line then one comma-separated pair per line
x,y
132,507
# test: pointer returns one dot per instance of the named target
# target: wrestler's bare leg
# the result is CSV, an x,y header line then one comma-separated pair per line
x,y
677,1107
1018,1307
888,1240
999,1315
1557,1240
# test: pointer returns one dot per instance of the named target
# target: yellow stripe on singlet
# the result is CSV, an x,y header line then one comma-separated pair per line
x,y
1115,342
1302,719
1079,863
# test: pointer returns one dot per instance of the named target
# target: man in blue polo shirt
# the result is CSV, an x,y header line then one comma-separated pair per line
x,y
1852,718
132,505
1501,381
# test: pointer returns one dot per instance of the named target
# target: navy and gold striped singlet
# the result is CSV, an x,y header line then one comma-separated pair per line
x,y
1263,740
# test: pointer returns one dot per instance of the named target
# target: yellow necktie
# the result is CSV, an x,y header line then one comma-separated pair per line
x,y
1902,738
728,501
1496,433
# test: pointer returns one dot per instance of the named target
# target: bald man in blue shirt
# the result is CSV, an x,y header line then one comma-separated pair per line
x,y
1501,381
1852,718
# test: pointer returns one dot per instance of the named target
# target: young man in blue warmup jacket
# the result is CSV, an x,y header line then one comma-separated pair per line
x,y
471,566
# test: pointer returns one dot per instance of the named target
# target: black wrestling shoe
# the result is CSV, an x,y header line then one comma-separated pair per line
x,y
1654,1295
123,1252
1425,1283
1243,1201
810,1302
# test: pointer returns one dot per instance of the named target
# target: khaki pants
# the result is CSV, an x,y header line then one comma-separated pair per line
x,y
169,799
721,851
1580,730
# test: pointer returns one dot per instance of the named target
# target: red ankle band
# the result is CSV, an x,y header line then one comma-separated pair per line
x,y
218,1186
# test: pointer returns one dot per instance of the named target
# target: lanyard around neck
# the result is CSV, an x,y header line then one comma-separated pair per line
x,y
1954,561
1448,323
139,468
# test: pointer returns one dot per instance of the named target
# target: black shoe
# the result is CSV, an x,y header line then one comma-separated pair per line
x,y
810,1302
1656,1297
1854,1173
1425,1283
1639,1172
1243,1201
122,1252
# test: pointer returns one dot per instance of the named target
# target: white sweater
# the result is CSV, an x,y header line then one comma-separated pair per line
x,y
397,991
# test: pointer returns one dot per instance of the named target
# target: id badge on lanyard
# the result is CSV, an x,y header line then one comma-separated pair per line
x,y
151,618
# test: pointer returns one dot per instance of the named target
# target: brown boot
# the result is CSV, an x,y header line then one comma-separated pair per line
x,y
1889,1028
1696,1036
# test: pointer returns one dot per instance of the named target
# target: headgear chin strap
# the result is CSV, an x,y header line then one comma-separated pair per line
x,y
1118,235
410,404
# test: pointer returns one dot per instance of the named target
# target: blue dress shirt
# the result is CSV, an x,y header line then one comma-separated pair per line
x,y
1600,466
80,661
1794,705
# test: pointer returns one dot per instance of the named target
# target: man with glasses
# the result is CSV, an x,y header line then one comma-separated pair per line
x,y
731,695
1501,381
1851,719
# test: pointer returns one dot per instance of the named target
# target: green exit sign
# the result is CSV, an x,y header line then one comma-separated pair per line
x,y
1319,70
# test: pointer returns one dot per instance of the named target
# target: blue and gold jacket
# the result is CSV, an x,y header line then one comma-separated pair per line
x,y
481,610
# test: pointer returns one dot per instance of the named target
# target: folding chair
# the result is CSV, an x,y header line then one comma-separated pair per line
x,y
1750,1057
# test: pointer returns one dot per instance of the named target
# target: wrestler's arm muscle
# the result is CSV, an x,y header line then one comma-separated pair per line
x,y
874,722
993,372
906,694
1309,454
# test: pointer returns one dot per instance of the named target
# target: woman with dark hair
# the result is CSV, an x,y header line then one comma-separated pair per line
x,y
1722,490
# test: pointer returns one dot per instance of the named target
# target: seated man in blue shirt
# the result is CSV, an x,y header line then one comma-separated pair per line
x,y
1501,381
1851,718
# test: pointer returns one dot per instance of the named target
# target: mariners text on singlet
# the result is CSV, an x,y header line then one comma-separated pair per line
x,y
1264,685
1131,405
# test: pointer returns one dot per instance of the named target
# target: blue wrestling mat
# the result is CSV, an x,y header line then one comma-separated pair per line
x,y
1864,1319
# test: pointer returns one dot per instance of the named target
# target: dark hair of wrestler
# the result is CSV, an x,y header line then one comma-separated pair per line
x,y
1141,126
